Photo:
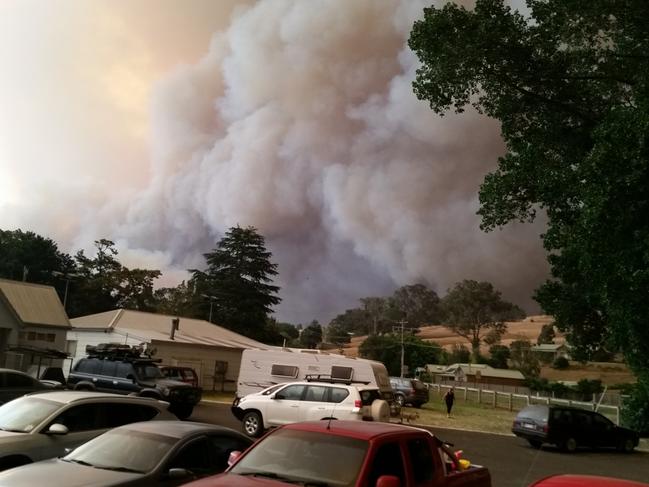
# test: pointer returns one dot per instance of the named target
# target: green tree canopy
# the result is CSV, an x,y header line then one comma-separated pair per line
x,y
28,255
311,336
387,349
498,356
237,282
475,310
417,304
523,359
570,87
546,335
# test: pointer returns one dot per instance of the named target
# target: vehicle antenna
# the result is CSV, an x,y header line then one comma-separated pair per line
x,y
331,416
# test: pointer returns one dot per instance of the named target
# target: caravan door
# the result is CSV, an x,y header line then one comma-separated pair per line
x,y
285,406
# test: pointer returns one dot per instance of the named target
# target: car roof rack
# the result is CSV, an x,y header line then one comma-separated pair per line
x,y
332,380
119,351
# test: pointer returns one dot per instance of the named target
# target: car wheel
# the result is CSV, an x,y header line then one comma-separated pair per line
x,y
400,400
570,444
535,443
626,445
253,424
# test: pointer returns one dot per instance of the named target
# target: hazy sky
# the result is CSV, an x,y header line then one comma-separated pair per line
x,y
161,123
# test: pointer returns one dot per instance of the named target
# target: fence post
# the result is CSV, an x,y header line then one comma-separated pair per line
x,y
479,396
511,402
494,400
466,389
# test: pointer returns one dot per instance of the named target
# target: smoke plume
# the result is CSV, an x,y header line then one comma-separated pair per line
x,y
300,120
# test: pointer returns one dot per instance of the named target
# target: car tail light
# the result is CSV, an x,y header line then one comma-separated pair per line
x,y
412,392
358,403
545,428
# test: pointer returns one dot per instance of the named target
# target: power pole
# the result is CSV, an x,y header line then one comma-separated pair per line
x,y
401,330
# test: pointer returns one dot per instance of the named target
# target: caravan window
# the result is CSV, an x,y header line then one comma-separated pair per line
x,y
284,371
343,373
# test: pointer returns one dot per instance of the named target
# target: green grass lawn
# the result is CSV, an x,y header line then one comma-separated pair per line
x,y
467,415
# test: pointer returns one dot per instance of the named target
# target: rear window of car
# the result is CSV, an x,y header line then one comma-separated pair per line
x,y
416,384
368,396
538,413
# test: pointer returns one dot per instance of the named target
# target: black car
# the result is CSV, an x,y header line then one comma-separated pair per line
x,y
126,371
569,428
14,383
409,391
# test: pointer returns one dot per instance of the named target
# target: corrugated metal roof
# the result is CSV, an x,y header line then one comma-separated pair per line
x,y
154,326
471,369
34,304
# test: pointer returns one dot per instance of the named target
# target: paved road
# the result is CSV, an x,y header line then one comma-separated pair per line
x,y
511,461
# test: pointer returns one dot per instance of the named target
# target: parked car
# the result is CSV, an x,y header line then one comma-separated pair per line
x,y
409,391
165,453
14,383
585,481
349,453
569,428
40,426
124,371
308,400
182,374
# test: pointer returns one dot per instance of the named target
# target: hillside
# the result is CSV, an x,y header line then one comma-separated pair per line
x,y
527,329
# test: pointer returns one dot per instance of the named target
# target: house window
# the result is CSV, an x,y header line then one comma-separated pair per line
x,y
22,335
50,337
31,336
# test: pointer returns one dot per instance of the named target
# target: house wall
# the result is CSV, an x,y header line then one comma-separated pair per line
x,y
203,358
8,335
77,340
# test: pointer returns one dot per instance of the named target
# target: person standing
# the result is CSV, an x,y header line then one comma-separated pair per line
x,y
449,399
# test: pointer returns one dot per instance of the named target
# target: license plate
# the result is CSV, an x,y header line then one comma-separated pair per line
x,y
529,426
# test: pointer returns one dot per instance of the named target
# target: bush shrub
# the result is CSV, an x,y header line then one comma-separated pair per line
x,y
561,363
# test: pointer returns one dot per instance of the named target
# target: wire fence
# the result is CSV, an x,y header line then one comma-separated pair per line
x,y
516,402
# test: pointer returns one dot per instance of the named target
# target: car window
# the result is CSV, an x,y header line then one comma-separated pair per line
x,y
421,458
87,366
601,421
82,417
148,371
338,394
108,367
134,450
221,446
25,413
292,393
18,380
316,393
195,456
124,413
123,370
387,461
368,396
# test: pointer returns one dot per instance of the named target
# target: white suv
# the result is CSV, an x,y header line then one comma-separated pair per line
x,y
305,401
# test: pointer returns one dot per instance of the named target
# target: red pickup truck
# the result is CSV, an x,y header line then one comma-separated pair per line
x,y
349,454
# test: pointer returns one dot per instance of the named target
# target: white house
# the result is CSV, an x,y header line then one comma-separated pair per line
x,y
213,351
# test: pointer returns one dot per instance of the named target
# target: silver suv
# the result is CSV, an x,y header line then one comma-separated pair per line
x,y
44,425
308,400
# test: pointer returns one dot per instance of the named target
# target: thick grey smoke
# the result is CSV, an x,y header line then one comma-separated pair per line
x,y
301,121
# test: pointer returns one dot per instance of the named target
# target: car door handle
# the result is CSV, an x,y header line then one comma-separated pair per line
x,y
94,379
114,382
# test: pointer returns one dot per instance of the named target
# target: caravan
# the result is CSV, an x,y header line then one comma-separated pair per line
x,y
264,368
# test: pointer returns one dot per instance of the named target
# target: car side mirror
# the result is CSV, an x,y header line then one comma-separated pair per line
x,y
233,457
178,473
57,429
275,396
130,377
388,481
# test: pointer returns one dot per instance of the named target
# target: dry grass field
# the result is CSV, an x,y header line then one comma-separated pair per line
x,y
527,329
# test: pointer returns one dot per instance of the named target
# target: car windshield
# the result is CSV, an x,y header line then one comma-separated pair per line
x,y
123,449
304,456
25,413
271,389
148,371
